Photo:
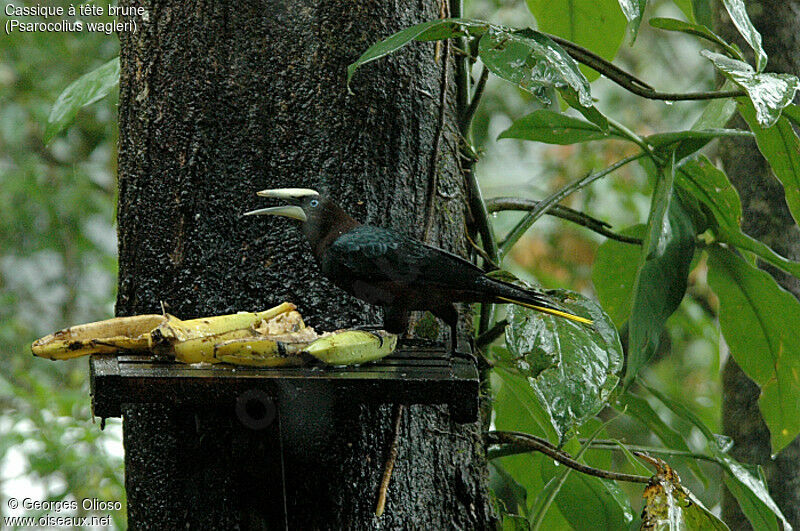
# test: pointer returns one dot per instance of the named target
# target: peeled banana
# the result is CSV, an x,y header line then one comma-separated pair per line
x,y
273,338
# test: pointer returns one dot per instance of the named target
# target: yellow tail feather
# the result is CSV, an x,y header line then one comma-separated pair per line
x,y
551,311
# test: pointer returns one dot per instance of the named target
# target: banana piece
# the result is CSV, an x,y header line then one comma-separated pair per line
x,y
111,335
352,347
275,351
259,352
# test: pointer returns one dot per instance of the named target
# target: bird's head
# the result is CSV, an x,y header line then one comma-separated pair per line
x,y
319,216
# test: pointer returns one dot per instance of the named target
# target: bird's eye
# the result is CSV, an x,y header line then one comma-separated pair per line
x,y
314,202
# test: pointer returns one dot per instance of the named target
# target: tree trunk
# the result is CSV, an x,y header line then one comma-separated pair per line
x,y
767,218
217,101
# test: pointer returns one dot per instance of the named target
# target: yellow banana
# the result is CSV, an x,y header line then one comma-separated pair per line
x,y
273,351
352,347
111,335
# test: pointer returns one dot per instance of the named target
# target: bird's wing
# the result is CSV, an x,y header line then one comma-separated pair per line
x,y
374,254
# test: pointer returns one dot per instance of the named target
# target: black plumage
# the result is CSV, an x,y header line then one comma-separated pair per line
x,y
395,271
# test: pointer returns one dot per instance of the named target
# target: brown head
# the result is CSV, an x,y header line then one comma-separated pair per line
x,y
322,219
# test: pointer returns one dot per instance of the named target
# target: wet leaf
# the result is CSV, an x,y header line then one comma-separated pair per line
x,y
671,506
533,62
781,147
749,485
598,25
570,367
85,90
738,15
553,128
769,92
614,274
759,320
633,11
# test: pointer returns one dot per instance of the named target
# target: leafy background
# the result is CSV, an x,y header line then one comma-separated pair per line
x,y
57,262
57,268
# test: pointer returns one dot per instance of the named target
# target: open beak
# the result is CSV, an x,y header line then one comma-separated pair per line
x,y
288,193
294,212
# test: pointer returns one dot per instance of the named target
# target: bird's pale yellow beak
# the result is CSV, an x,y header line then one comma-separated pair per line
x,y
288,193
294,212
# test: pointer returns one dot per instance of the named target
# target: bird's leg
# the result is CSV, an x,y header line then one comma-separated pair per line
x,y
449,315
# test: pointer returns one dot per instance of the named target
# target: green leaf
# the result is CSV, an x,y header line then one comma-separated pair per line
x,y
553,128
570,96
511,495
759,320
655,241
571,368
769,92
686,143
711,187
522,406
432,30
614,274
633,11
686,7
532,61
598,25
792,112
602,503
703,12
661,281
738,15
781,147
85,90
696,30
717,113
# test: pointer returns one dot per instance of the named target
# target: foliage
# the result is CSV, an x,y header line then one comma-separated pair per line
x,y
691,224
57,267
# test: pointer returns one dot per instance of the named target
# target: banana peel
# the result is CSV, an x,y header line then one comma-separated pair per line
x,y
276,337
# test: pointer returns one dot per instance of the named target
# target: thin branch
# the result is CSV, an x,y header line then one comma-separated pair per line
x,y
530,443
632,83
433,171
469,114
497,204
387,471
612,445
547,203
490,335
480,251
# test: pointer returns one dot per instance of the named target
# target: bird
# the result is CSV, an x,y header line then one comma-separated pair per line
x,y
395,271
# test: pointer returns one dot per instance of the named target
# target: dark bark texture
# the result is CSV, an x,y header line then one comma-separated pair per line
x,y
767,218
219,100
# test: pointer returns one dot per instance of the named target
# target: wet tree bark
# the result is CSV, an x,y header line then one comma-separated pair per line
x,y
767,218
217,101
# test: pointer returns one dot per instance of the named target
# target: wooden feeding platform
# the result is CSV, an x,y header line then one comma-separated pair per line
x,y
418,372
